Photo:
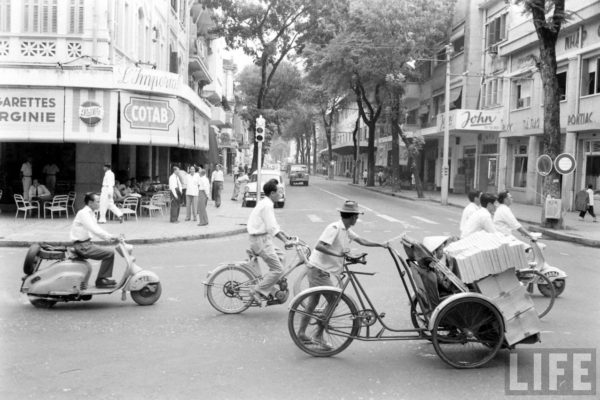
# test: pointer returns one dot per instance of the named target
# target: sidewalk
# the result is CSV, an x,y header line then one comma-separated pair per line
x,y
229,219
583,232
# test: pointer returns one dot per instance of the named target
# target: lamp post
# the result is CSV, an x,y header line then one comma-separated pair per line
x,y
445,167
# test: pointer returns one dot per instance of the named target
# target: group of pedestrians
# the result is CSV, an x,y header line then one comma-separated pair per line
x,y
192,189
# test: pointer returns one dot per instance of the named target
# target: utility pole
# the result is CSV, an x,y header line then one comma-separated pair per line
x,y
445,168
259,138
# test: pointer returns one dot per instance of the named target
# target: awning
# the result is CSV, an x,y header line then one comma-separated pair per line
x,y
185,122
201,129
455,97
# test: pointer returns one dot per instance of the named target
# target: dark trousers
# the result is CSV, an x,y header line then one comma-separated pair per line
x,y
216,192
174,208
590,210
95,252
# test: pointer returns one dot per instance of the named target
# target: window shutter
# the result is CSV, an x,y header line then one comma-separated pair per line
x,y
80,14
502,21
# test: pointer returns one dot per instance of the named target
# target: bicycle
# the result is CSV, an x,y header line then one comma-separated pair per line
x,y
227,287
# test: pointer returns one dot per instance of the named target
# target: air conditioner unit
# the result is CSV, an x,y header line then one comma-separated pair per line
x,y
493,50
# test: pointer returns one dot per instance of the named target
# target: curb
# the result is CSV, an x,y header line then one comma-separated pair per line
x,y
232,232
551,233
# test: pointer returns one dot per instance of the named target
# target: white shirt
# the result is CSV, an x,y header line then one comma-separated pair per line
x,y
174,184
26,169
85,224
193,181
481,220
50,169
262,219
504,220
109,180
338,238
204,185
217,176
466,214
590,193
42,191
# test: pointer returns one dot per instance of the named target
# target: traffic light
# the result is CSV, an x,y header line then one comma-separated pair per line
x,y
260,129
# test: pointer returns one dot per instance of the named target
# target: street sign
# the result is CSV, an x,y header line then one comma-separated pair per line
x,y
565,163
543,165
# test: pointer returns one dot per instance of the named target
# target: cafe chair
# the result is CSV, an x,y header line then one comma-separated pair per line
x,y
58,205
71,202
154,204
26,206
129,206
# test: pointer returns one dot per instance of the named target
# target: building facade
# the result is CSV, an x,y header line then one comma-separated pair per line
x,y
122,81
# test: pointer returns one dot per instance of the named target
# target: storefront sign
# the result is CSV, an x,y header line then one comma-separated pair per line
x,y
147,79
90,115
473,120
143,113
31,114
91,112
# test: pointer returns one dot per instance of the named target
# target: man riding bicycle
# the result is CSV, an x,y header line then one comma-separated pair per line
x,y
328,259
262,227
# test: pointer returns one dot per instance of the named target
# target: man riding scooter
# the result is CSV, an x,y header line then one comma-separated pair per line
x,y
83,227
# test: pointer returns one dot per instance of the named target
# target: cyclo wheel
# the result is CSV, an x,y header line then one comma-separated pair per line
x,y
542,302
229,290
337,332
417,317
468,332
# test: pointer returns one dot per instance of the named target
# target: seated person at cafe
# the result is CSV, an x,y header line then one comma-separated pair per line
x,y
117,195
39,192
135,187
146,185
126,190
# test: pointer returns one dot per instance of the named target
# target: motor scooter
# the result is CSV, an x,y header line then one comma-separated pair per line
x,y
556,275
59,274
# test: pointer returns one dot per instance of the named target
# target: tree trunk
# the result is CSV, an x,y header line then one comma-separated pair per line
x,y
314,160
356,146
395,119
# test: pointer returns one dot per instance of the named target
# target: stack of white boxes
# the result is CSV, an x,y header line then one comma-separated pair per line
x,y
520,317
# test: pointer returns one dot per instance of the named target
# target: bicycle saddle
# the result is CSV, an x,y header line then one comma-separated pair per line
x,y
359,258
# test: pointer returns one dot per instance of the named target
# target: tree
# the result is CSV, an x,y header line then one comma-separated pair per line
x,y
378,38
269,31
548,17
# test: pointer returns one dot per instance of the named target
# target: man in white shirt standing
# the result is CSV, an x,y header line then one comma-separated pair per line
x,y
262,228
504,219
192,190
328,259
106,196
203,195
474,205
481,220
217,185
82,229
176,193
26,173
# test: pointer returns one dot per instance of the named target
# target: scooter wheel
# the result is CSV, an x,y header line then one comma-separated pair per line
x,y
559,287
31,259
147,295
41,303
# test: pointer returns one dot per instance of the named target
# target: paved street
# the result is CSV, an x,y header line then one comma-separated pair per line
x,y
181,348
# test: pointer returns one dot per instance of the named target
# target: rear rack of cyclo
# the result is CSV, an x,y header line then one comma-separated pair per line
x,y
484,263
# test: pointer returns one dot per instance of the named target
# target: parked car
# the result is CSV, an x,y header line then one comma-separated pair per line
x,y
249,196
298,173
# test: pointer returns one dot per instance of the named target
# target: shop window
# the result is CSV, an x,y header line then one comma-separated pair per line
x,y
411,117
590,81
520,166
523,94
5,15
39,16
562,84
76,16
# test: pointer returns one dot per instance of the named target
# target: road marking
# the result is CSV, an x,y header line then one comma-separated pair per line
x,y
314,218
425,220
453,220
343,198
388,218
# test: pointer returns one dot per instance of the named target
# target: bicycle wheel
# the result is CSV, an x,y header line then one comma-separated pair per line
x,y
468,332
229,290
542,301
323,338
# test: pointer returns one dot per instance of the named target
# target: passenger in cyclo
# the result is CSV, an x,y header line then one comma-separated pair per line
x,y
481,220
327,260
262,227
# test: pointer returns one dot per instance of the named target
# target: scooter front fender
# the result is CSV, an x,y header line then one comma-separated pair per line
x,y
553,273
141,279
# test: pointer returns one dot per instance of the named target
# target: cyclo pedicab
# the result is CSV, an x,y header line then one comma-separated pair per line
x,y
469,310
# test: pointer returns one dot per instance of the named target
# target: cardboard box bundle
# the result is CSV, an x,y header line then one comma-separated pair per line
x,y
520,317
482,254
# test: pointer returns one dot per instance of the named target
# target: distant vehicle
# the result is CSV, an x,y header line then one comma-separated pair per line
x,y
298,173
249,197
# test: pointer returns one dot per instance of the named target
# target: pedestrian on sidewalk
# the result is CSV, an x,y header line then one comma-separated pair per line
x,y
182,175
589,206
107,196
240,184
176,194
203,194
217,185
474,205
192,187
380,178
365,176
